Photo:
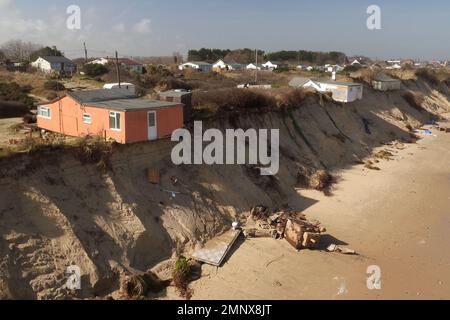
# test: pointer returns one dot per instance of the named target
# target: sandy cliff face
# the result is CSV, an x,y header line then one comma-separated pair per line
x,y
56,212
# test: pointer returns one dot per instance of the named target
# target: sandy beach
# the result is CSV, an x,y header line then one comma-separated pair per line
x,y
396,218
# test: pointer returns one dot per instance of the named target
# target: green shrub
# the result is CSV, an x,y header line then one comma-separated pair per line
x,y
95,70
231,99
172,83
94,150
10,109
180,276
16,93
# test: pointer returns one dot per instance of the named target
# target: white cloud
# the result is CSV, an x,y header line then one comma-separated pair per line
x,y
143,26
49,28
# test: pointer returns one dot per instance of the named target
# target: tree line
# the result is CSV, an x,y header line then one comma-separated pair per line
x,y
22,51
246,56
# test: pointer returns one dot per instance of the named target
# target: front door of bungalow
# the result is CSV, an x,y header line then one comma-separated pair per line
x,y
152,126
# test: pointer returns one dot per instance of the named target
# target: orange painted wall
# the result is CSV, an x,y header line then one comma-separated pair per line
x,y
167,120
67,118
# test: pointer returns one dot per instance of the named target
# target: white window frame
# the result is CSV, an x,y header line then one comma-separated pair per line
x,y
117,124
48,110
87,119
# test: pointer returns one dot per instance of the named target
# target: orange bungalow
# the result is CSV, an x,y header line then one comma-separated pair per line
x,y
114,114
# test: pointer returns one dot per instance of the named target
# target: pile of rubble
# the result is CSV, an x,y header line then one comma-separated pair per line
x,y
287,224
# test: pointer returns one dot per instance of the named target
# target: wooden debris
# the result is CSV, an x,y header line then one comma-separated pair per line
x,y
153,176
254,233
290,225
260,213
302,234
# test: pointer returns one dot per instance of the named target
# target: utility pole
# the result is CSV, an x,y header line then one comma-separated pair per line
x,y
256,70
85,52
117,68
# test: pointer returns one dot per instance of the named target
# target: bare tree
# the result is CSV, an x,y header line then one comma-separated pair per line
x,y
19,50
177,58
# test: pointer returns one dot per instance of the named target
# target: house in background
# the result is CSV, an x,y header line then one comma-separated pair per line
x,y
360,61
394,66
333,68
125,63
340,91
221,65
382,82
113,114
356,62
254,66
52,64
179,96
299,82
305,67
131,65
102,61
123,85
13,66
196,65
272,65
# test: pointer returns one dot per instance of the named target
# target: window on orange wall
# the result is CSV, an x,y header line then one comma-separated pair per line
x,y
44,112
87,118
114,121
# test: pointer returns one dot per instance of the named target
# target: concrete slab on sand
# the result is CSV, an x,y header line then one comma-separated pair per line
x,y
215,251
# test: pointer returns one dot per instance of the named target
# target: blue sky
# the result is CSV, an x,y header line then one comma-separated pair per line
x,y
138,27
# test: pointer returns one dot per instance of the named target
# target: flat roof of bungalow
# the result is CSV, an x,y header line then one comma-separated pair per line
x,y
175,93
337,83
382,77
299,81
57,59
132,104
98,95
117,99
